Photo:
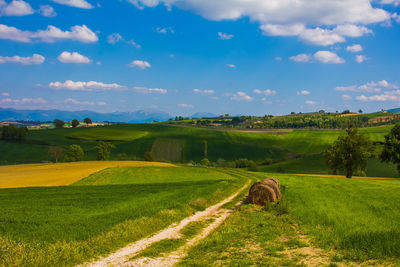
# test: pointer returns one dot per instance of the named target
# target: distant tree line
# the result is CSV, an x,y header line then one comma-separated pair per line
x,y
12,133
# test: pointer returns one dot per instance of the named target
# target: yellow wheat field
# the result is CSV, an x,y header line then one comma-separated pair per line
x,y
27,175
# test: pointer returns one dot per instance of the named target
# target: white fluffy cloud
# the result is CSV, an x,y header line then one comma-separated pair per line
x,y
33,60
231,65
386,96
186,106
264,92
51,34
225,36
326,57
16,8
314,21
370,87
74,3
310,102
303,92
241,96
145,90
323,37
352,30
47,11
203,92
74,57
139,64
5,94
90,86
301,58
361,58
346,97
164,30
354,48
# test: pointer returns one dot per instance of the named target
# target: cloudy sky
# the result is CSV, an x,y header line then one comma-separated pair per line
x,y
251,57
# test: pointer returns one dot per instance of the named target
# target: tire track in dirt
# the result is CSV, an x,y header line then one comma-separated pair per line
x,y
123,255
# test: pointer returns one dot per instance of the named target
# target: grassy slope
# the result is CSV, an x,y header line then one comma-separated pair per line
x,y
358,218
229,145
68,225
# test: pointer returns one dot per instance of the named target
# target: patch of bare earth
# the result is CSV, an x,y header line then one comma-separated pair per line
x,y
122,257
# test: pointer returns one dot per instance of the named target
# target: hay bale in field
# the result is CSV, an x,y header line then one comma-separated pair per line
x,y
274,184
265,191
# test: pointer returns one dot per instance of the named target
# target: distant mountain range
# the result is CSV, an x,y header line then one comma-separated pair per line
x,y
140,116
393,110
200,115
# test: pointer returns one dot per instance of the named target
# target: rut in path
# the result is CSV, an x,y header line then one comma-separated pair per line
x,y
122,256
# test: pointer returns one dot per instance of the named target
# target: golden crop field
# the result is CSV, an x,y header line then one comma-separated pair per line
x,y
50,174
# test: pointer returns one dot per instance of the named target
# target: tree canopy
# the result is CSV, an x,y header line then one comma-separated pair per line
x,y
349,153
74,153
58,123
104,150
391,149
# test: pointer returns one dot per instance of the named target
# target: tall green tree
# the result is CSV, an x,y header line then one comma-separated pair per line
x,y
149,156
87,121
58,123
349,153
74,153
104,150
56,152
391,149
74,123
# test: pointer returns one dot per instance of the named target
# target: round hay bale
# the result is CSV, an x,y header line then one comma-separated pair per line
x,y
271,183
273,179
260,194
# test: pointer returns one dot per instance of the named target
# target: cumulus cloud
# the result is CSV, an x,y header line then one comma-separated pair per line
x,y
303,92
264,92
50,35
203,92
33,60
323,22
145,90
74,3
346,97
5,94
310,102
370,87
90,86
225,36
354,48
16,8
47,11
241,96
231,65
116,38
74,57
301,58
361,58
283,30
328,57
186,106
352,30
386,96
139,64
323,37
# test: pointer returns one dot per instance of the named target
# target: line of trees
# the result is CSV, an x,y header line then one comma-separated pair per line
x,y
74,123
12,133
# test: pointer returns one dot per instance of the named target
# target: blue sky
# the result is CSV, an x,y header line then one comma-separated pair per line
x,y
250,57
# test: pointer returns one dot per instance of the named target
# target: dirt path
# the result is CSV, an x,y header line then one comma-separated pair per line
x,y
122,256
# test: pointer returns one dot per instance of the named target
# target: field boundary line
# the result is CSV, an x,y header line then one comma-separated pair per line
x,y
123,255
342,176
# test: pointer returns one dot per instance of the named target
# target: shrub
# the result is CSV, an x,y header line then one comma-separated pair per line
x,y
58,123
104,150
205,162
267,161
122,156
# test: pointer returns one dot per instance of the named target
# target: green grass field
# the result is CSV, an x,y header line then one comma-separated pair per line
x,y
188,143
351,220
68,225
